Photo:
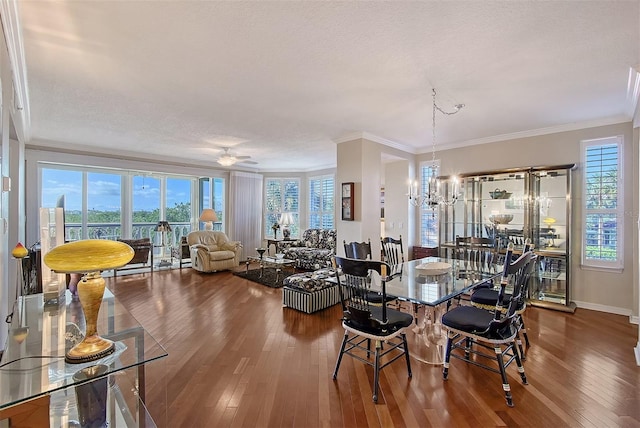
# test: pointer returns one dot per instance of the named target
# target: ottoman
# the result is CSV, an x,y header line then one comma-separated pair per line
x,y
309,291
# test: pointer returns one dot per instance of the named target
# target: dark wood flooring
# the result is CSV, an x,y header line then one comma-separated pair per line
x,y
237,358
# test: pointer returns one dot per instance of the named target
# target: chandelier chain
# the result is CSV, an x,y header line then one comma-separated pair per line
x,y
433,196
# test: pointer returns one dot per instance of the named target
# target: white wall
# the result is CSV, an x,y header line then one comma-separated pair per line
x,y
396,205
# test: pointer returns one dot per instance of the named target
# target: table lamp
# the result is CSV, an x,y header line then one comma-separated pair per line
x,y
208,216
19,252
286,220
89,257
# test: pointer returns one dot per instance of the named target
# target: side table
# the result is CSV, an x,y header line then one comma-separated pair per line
x,y
166,256
274,242
273,263
35,379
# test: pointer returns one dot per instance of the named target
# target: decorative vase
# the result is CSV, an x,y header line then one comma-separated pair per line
x,y
92,396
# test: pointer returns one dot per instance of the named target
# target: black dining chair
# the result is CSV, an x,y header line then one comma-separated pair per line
x,y
472,330
358,250
362,251
392,252
487,298
364,322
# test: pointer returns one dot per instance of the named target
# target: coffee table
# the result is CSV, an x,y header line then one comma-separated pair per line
x,y
272,263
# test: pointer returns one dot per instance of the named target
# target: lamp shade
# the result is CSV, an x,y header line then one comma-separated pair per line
x,y
88,256
286,219
208,214
163,226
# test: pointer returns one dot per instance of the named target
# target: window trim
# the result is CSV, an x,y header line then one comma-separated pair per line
x,y
590,264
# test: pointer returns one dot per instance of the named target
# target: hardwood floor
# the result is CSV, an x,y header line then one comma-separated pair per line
x,y
238,358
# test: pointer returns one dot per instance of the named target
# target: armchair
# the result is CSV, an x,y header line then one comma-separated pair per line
x,y
212,251
313,251
142,254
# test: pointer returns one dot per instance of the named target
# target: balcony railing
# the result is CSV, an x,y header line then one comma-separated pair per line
x,y
73,232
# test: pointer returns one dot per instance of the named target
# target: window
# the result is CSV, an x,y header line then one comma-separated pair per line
x,y
56,182
178,204
146,205
281,196
429,216
212,196
321,202
603,207
94,199
103,205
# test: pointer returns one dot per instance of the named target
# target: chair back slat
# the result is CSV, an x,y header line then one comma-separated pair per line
x,y
515,275
392,252
358,250
354,284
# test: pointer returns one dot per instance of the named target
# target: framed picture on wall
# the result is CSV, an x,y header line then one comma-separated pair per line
x,y
347,201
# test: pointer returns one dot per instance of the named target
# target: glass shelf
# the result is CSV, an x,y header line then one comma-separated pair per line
x,y
33,366
124,406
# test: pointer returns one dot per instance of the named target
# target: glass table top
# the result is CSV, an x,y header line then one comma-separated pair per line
x,y
412,280
33,362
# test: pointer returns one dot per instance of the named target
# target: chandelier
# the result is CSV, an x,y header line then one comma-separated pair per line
x,y
435,194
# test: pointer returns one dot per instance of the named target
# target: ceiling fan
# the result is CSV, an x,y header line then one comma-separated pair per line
x,y
228,159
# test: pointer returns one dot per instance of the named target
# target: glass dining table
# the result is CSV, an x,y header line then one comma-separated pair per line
x,y
430,285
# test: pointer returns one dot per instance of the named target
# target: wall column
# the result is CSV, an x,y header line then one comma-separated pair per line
x,y
359,161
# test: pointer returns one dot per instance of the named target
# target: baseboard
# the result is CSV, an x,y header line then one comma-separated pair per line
x,y
634,319
604,308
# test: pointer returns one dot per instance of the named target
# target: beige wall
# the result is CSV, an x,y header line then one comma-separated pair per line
x,y
596,289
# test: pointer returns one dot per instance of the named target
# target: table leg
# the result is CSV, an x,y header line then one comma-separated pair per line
x,y
430,340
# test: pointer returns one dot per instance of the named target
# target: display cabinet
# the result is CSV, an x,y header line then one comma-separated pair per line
x,y
511,206
34,374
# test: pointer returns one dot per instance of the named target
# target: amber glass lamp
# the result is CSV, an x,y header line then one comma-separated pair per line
x,y
89,257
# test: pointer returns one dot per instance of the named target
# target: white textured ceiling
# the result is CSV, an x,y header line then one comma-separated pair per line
x,y
283,81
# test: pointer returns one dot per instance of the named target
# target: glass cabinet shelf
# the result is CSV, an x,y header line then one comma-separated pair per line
x,y
511,206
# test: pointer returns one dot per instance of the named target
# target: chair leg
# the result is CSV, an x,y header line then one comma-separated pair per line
x,y
368,348
467,348
376,372
503,374
520,366
447,355
344,344
406,353
520,347
522,330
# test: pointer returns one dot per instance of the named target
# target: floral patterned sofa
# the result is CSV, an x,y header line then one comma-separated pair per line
x,y
313,251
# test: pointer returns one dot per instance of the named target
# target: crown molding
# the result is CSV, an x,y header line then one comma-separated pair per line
x,y
535,132
12,32
376,139
504,137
